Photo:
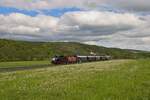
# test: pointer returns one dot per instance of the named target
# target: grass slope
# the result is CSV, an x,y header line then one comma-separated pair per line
x,y
26,51
22,64
108,80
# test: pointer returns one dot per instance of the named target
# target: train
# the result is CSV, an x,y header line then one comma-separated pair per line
x,y
78,59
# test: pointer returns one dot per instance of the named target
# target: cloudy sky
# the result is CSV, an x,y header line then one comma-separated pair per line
x,y
110,23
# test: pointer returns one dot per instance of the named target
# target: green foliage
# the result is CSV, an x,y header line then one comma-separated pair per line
x,y
33,51
107,80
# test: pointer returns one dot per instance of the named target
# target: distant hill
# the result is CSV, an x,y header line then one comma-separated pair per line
x,y
11,50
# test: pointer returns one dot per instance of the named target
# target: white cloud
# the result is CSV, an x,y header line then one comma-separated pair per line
x,y
122,30
130,5
96,19
16,23
120,41
41,4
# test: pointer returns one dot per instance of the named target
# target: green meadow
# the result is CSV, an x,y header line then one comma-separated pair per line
x,y
22,64
107,80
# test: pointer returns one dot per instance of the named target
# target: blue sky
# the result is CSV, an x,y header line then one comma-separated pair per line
x,y
57,12
122,24
8,10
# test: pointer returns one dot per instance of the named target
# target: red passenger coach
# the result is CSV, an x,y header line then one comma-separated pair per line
x,y
71,59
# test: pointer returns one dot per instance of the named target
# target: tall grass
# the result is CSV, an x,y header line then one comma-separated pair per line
x,y
22,63
108,80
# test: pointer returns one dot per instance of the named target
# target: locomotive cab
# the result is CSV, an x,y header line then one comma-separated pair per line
x,y
57,59
54,60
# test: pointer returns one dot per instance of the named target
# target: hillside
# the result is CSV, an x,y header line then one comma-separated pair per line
x,y
25,51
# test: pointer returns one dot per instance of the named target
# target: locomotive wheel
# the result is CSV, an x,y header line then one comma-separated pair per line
x,y
79,61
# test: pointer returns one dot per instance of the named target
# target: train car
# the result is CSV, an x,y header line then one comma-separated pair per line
x,y
64,59
58,60
82,59
77,59
72,59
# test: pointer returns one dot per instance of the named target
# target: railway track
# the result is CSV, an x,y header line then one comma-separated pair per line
x,y
3,69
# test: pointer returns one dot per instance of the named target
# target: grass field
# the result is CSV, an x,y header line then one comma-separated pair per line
x,y
108,80
22,63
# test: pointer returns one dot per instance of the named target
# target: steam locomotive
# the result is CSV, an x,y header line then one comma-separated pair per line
x,y
77,59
